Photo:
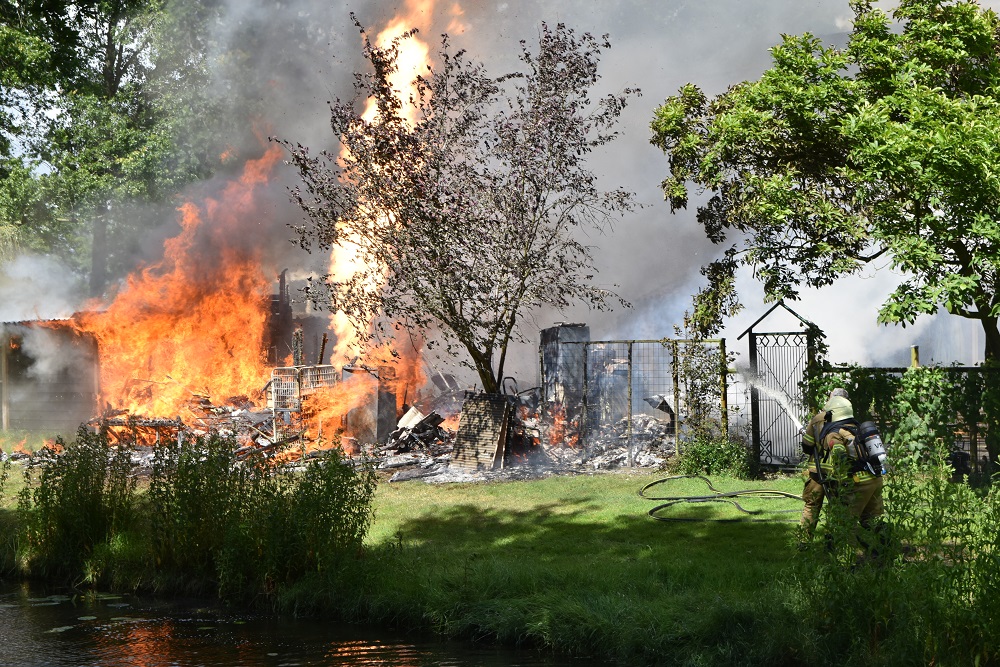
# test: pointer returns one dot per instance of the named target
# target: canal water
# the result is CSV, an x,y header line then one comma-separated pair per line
x,y
42,627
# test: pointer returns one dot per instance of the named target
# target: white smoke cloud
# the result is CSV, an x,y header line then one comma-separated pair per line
x,y
52,353
34,287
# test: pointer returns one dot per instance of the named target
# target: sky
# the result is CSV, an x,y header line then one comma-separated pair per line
x,y
652,257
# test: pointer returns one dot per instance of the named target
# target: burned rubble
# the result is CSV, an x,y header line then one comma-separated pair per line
x,y
440,433
421,446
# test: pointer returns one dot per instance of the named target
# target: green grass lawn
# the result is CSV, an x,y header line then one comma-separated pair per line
x,y
24,440
10,484
575,563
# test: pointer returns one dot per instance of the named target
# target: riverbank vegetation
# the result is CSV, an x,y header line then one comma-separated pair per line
x,y
571,564
200,520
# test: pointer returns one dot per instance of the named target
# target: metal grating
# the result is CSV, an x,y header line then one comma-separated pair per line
x,y
778,361
288,386
482,433
285,394
312,378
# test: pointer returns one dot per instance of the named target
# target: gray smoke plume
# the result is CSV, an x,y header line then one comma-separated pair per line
x,y
652,258
292,57
39,288
35,287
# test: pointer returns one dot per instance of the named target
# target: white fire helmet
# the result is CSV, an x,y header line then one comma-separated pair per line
x,y
840,408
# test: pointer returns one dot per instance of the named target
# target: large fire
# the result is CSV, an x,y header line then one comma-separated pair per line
x,y
414,57
193,326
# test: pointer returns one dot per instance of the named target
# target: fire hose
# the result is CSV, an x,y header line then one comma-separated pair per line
x,y
718,497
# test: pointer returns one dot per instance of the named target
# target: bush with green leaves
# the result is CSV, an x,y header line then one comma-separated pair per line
x,y
715,456
922,407
83,497
704,446
930,593
250,525
207,521
4,473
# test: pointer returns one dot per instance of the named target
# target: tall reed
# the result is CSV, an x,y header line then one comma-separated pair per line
x,y
204,521
83,497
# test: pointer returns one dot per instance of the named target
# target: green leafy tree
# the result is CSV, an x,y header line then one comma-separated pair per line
x,y
836,157
25,71
99,97
468,216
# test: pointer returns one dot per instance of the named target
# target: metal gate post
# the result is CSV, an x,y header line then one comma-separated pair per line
x,y
812,334
724,387
585,418
631,460
754,399
677,395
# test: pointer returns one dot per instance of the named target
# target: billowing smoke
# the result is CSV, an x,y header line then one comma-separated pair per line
x,y
296,55
37,288
51,354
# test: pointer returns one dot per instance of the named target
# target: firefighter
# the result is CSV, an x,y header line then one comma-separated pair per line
x,y
813,492
850,477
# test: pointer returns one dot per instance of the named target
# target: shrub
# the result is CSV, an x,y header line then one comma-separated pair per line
x,y
931,596
715,456
83,497
208,521
4,474
923,407
251,525
195,490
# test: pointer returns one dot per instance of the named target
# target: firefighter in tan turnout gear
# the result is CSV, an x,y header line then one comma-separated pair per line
x,y
851,464
813,492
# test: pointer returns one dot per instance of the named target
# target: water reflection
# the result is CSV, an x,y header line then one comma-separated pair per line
x,y
112,631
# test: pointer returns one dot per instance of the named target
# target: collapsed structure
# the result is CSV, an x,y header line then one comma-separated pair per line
x,y
304,407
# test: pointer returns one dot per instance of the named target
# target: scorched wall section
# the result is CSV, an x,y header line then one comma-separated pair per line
x,y
48,378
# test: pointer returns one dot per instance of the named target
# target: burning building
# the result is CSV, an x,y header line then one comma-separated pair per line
x,y
49,379
199,341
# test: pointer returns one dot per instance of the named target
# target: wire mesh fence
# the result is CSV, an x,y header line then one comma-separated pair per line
x,y
640,390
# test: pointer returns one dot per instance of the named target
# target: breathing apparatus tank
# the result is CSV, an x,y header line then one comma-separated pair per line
x,y
874,449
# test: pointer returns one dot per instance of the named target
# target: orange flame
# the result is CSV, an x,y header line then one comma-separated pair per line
x,y
52,446
414,57
324,412
405,360
563,432
192,325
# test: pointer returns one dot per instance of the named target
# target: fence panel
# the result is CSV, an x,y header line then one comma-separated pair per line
x,y
634,392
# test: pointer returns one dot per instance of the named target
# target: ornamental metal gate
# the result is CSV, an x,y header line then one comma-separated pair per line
x,y
778,364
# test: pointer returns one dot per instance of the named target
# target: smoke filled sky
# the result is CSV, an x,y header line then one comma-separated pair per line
x,y
299,54
652,258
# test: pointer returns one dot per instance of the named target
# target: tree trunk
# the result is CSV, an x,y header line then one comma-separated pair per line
x,y
989,397
992,353
99,253
484,368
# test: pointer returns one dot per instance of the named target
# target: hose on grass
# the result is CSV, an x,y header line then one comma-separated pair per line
x,y
718,497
